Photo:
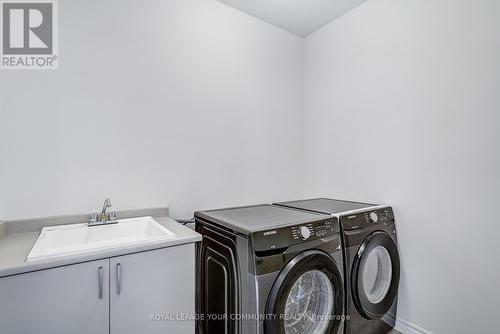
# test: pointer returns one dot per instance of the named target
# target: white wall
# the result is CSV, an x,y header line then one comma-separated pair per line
x,y
402,106
186,103
1,138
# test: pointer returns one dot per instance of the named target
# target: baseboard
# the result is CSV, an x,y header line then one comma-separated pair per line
x,y
407,327
404,326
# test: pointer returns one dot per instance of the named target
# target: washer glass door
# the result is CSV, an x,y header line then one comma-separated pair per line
x,y
309,303
306,297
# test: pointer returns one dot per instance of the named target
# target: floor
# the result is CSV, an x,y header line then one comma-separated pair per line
x,y
394,332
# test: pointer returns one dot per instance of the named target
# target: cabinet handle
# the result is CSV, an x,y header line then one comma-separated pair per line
x,y
118,278
101,282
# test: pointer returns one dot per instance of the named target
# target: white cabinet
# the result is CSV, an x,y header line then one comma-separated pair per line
x,y
146,293
72,299
151,292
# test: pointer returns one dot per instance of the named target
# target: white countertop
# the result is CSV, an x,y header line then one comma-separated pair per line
x,y
15,247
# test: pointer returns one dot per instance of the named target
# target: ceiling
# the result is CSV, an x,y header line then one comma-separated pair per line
x,y
301,17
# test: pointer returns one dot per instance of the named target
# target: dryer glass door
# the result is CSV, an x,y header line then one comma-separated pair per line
x,y
375,276
307,296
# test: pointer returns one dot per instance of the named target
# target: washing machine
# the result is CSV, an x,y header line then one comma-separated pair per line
x,y
371,258
267,269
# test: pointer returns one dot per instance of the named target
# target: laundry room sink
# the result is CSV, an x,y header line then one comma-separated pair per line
x,y
76,239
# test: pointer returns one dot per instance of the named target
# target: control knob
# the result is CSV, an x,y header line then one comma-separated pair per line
x,y
304,232
374,217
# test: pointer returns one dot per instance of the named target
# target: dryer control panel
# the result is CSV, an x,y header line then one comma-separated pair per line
x,y
382,217
283,237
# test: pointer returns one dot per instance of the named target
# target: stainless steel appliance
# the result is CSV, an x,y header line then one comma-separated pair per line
x,y
371,258
269,269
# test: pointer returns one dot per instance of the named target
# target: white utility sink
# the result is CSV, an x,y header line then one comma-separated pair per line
x,y
76,239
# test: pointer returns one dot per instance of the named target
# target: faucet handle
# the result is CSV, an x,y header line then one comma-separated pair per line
x,y
112,216
94,217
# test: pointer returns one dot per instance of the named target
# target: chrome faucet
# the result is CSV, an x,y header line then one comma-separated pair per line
x,y
107,204
97,219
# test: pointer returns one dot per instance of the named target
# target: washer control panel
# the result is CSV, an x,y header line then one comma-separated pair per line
x,y
383,217
292,235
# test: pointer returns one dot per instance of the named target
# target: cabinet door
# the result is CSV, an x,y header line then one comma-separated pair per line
x,y
151,291
72,299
